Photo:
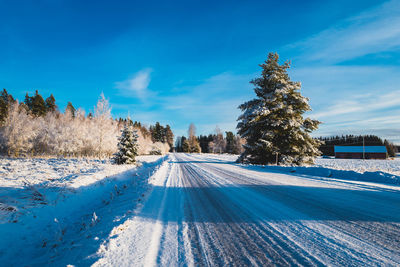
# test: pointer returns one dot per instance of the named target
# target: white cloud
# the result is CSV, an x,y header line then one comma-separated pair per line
x,y
368,104
373,31
137,85
369,114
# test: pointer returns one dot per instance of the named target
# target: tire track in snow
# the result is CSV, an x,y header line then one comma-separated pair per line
x,y
250,239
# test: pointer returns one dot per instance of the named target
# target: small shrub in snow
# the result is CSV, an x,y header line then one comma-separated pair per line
x,y
155,151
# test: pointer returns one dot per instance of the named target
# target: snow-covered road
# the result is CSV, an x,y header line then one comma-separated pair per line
x,y
206,210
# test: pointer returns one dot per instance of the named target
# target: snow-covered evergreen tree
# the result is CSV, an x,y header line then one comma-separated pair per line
x,y
127,146
273,123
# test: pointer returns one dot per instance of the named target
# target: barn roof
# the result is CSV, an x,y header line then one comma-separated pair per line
x,y
359,149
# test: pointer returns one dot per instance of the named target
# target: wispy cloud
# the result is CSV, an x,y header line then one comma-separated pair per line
x,y
211,102
373,31
136,85
368,114
363,104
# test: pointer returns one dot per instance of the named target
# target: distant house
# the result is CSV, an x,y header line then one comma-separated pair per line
x,y
356,152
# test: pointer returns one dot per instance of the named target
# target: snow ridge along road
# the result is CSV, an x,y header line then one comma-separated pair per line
x,y
205,210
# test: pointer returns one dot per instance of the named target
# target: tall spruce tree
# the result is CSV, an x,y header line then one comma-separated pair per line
x,y
51,104
127,146
273,123
169,136
38,105
6,100
230,142
28,101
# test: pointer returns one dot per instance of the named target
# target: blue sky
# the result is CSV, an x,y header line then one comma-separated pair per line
x,y
179,62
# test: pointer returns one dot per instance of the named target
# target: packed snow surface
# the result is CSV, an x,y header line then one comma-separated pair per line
x,y
202,209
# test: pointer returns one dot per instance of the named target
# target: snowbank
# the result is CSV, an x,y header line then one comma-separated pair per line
x,y
61,210
25,183
361,166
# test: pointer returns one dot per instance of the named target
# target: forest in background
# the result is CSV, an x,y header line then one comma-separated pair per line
x,y
215,143
327,148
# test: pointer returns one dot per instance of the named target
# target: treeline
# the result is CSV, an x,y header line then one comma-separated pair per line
x,y
327,148
36,127
213,143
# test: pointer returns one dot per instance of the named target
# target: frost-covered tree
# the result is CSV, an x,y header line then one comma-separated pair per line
x,y
238,144
192,142
218,144
391,148
127,146
70,108
159,148
68,134
273,123
106,133
17,132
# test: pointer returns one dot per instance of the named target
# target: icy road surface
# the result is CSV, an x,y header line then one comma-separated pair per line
x,y
206,210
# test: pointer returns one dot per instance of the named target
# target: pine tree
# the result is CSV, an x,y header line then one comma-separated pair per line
x,y
38,105
169,136
185,146
28,101
273,123
230,142
127,146
157,133
51,104
70,108
6,100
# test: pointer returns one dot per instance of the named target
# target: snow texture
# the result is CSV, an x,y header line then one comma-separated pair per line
x,y
52,206
204,209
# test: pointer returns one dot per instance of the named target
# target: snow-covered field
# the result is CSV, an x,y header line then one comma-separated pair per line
x,y
26,183
47,205
361,166
58,172
199,209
